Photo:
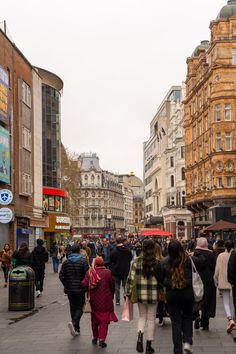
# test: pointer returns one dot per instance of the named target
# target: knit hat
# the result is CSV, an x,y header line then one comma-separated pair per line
x,y
99,262
40,242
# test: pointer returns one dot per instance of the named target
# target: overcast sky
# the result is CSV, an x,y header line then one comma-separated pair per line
x,y
117,58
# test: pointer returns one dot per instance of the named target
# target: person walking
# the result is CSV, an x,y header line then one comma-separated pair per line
x,y
175,273
221,281
101,300
55,254
22,256
105,251
6,261
120,259
39,259
208,303
143,275
231,275
71,275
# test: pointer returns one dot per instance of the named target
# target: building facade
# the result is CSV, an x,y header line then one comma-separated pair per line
x,y
164,168
210,123
20,117
54,197
100,198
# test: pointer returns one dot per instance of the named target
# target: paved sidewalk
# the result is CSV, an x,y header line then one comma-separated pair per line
x,y
46,330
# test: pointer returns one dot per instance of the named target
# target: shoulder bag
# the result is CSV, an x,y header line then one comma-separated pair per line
x,y
198,288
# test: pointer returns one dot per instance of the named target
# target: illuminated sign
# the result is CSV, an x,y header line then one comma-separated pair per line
x,y
4,96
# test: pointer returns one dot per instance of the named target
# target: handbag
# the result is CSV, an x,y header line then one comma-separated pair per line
x,y
197,284
134,293
87,306
128,311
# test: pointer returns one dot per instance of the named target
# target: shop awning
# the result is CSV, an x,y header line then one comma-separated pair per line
x,y
221,225
155,232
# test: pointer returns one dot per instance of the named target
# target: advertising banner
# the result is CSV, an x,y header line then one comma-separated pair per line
x,y
4,155
4,95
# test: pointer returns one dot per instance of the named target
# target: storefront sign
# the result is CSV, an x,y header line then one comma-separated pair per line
x,y
6,215
62,227
4,155
6,196
62,220
4,96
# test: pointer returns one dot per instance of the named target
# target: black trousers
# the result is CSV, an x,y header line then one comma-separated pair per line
x,y
234,299
76,309
180,306
39,278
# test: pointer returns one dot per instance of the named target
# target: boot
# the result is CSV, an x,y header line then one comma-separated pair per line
x,y
139,346
149,349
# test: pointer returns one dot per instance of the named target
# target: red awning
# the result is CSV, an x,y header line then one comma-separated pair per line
x,y
154,232
221,225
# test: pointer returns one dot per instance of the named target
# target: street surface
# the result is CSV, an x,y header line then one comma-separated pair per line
x,y
45,331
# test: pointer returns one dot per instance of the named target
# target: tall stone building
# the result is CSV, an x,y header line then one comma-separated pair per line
x,y
100,198
164,174
210,123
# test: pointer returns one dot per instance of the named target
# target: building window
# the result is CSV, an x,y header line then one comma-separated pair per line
x,y
200,127
182,152
26,184
26,94
219,182
208,177
26,139
217,112
207,147
183,173
172,181
218,141
234,56
229,181
228,143
227,111
200,151
171,161
194,132
206,122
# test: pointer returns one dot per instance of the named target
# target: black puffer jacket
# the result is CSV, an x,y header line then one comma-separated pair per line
x,y
72,273
39,257
120,259
22,259
232,268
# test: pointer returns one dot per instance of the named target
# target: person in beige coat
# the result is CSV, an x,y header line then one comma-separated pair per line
x,y
221,281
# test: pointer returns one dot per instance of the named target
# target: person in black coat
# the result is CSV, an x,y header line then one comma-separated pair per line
x,y
22,256
208,304
39,258
232,276
71,275
120,259
175,274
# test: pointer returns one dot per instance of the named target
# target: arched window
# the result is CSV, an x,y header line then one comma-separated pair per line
x,y
172,181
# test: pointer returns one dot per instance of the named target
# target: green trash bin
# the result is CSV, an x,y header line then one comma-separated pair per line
x,y
21,289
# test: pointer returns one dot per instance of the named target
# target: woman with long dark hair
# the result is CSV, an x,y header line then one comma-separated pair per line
x,y
6,261
22,256
142,275
176,276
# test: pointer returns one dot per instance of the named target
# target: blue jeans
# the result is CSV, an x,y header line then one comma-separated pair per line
x,y
55,264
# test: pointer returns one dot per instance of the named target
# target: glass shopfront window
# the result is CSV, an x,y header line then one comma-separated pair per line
x,y
53,203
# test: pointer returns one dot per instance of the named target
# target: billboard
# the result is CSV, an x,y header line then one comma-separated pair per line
x,y
4,155
4,95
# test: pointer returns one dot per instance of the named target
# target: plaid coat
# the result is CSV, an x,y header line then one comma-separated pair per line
x,y
147,289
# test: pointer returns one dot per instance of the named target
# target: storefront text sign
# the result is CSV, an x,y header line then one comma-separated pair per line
x,y
6,215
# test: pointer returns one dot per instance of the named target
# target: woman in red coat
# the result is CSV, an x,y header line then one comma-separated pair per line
x,y
101,300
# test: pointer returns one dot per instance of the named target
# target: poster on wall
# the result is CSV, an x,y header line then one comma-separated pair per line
x,y
4,155
4,95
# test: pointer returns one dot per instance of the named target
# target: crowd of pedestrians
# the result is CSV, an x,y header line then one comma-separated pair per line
x,y
157,275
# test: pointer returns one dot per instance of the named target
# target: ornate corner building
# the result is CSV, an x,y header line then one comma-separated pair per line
x,y
210,123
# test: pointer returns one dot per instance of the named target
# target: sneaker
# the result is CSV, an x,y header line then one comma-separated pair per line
x,y
38,293
117,303
77,333
94,341
161,323
72,330
231,325
188,348
197,323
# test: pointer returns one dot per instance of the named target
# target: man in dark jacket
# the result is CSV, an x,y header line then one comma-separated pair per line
x,y
39,258
71,275
232,276
120,259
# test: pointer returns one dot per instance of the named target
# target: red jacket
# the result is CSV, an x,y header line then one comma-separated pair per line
x,y
101,297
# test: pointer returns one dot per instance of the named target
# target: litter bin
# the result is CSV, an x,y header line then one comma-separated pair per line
x,y
21,289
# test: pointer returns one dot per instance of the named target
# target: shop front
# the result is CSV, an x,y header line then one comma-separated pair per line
x,y
58,229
